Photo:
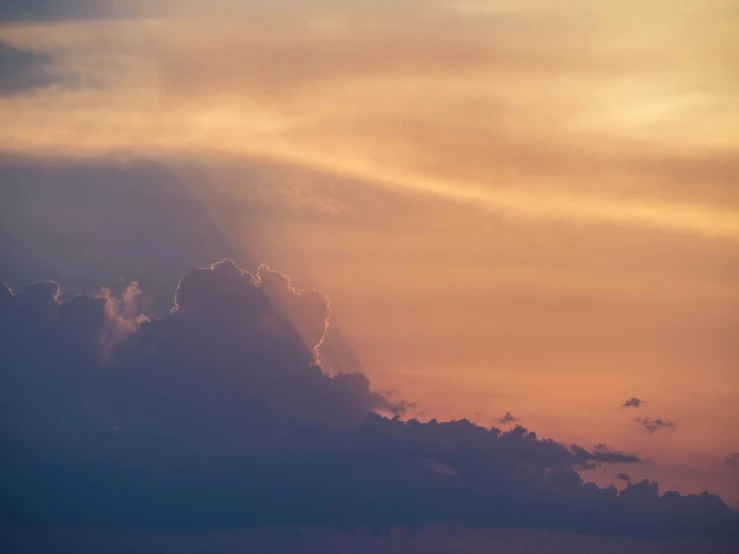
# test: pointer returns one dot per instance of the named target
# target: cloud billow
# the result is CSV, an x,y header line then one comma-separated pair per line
x,y
220,415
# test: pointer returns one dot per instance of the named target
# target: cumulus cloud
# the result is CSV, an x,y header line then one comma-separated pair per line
x,y
233,364
633,402
507,418
220,415
653,425
307,310
242,350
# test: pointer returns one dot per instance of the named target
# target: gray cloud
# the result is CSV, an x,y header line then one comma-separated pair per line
x,y
22,70
218,415
603,453
633,402
42,10
507,418
654,424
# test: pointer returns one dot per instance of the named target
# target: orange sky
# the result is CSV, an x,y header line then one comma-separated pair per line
x,y
513,205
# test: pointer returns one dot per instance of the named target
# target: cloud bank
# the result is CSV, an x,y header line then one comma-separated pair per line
x,y
220,415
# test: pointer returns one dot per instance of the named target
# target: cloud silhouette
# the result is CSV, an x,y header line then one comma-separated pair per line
x,y
507,418
602,453
633,402
219,415
623,477
654,424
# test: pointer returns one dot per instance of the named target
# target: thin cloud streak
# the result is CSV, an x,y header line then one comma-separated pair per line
x,y
606,145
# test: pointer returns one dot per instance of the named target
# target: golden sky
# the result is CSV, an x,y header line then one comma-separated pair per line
x,y
524,205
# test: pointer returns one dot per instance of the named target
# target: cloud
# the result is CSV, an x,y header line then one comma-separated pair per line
x,y
95,223
602,453
633,402
507,418
307,310
258,338
733,460
42,10
234,363
219,415
23,70
310,97
623,477
654,424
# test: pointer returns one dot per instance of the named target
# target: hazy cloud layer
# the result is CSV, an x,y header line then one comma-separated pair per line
x,y
12,11
89,224
23,70
336,87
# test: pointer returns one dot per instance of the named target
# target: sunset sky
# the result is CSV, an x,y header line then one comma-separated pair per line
x,y
524,206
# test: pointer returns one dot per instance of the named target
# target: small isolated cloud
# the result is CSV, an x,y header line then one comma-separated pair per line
x,y
733,460
633,402
623,477
654,424
507,418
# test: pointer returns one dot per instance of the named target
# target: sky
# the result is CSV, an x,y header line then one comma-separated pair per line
x,y
516,212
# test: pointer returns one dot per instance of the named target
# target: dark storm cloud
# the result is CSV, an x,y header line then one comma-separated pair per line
x,y
507,418
653,424
226,368
633,402
218,415
22,70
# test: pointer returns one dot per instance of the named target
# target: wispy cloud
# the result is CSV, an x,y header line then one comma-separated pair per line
x,y
612,144
654,424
